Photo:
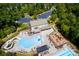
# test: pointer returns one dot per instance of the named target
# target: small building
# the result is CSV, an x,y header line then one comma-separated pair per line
x,y
44,15
24,20
39,25
42,49
57,39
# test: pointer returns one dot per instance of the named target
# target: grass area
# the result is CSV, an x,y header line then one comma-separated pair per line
x,y
21,28
10,36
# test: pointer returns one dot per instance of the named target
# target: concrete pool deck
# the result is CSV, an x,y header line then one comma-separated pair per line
x,y
43,34
65,51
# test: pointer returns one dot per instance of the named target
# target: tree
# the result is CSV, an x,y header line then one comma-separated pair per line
x,y
68,23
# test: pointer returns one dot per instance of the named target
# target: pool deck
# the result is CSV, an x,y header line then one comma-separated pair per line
x,y
45,36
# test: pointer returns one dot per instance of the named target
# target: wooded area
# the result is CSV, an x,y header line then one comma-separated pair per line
x,y
67,14
9,13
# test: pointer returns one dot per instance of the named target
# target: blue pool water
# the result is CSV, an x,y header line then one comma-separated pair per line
x,y
65,52
26,42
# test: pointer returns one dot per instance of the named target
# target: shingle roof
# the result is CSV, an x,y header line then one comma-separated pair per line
x,y
42,48
57,39
24,20
44,15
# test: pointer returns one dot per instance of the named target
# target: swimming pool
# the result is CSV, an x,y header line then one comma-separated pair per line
x,y
30,42
65,52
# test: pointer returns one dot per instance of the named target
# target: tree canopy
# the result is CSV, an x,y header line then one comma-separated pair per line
x,y
67,15
68,23
9,13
